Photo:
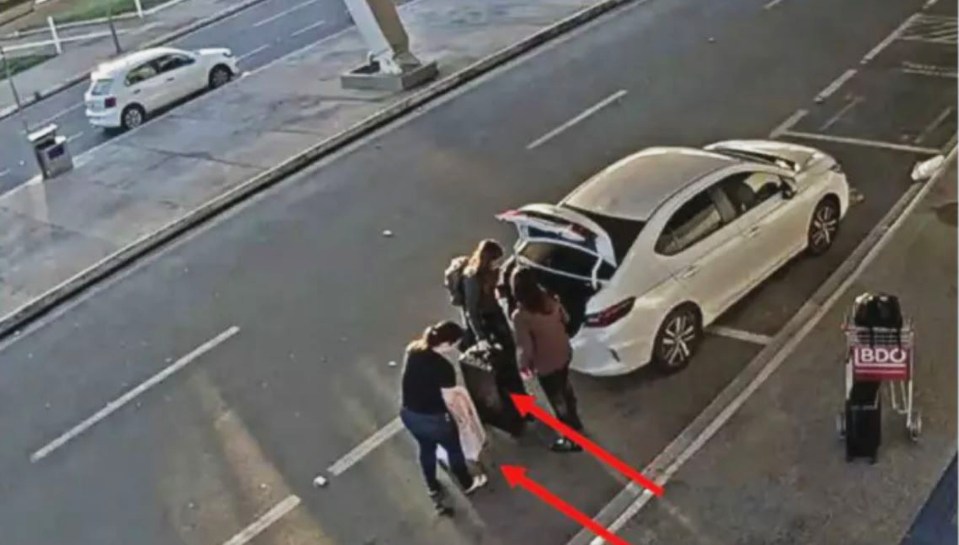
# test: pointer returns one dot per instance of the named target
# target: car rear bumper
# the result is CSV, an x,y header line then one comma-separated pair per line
x,y
107,119
599,357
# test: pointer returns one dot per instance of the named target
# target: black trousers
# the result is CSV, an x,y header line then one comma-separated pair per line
x,y
560,393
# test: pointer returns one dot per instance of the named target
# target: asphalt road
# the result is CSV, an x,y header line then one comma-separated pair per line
x,y
323,301
258,35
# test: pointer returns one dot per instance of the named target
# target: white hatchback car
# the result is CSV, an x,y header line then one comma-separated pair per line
x,y
125,91
652,249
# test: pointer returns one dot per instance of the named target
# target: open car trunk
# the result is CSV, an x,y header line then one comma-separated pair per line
x,y
573,293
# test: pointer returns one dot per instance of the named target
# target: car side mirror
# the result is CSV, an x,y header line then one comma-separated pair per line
x,y
787,190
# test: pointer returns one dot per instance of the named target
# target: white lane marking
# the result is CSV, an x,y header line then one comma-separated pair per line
x,y
60,113
308,28
928,70
4,172
781,355
245,11
889,39
276,513
788,123
253,52
933,125
119,402
836,84
588,112
929,4
863,142
772,4
73,137
842,111
740,335
367,446
283,13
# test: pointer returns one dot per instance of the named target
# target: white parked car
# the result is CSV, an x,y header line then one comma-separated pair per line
x,y
125,91
651,250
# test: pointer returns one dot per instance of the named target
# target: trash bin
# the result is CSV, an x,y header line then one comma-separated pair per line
x,y
50,149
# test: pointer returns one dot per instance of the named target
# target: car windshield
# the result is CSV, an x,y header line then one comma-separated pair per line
x,y
564,259
622,232
101,87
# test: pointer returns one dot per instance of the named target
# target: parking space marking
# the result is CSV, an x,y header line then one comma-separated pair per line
x,y
935,29
579,118
772,4
119,402
933,125
283,13
788,123
739,335
932,70
842,111
863,142
929,4
249,54
277,512
836,84
4,172
889,39
308,28
367,446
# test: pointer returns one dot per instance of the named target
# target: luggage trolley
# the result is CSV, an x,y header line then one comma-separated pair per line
x,y
876,355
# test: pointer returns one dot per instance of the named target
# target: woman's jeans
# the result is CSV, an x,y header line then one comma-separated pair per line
x,y
430,431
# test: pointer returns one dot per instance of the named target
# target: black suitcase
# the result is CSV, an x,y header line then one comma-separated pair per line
x,y
863,421
489,385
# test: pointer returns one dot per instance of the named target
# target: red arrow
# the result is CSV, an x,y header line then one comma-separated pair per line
x,y
516,476
527,405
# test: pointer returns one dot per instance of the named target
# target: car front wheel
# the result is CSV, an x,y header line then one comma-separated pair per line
x,y
220,76
677,339
132,117
823,227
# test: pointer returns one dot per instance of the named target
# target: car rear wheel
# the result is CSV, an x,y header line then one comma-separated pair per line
x,y
132,117
220,76
677,339
823,227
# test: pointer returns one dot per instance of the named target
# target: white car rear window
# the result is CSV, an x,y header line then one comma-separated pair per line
x,y
101,87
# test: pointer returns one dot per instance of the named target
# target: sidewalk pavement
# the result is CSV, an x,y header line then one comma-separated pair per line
x,y
776,472
151,181
80,57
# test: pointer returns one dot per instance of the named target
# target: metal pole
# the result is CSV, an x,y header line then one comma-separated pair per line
x,y
53,33
13,88
139,5
113,29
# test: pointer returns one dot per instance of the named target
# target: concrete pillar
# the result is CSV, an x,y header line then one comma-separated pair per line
x,y
390,63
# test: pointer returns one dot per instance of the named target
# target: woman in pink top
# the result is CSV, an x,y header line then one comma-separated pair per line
x,y
543,349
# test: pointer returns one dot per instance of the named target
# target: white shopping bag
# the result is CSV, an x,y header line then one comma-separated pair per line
x,y
472,433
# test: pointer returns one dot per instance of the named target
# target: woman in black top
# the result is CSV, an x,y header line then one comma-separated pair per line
x,y
424,413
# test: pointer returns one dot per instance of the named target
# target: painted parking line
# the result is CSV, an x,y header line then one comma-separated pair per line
x,y
739,335
283,13
889,39
578,119
367,446
835,85
305,29
252,52
277,512
772,4
842,111
933,125
789,123
932,70
4,172
121,401
862,142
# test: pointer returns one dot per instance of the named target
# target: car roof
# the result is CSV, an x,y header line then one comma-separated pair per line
x,y
634,187
111,68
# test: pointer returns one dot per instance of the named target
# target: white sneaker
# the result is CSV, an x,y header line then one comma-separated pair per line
x,y
479,481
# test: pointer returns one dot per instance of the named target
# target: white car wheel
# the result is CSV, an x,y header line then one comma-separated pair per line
x,y
133,117
823,227
677,339
220,76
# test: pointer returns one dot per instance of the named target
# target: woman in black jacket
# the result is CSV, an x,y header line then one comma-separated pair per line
x,y
424,413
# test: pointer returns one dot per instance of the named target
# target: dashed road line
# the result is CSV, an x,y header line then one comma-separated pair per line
x,y
60,114
933,125
842,111
835,85
788,123
277,512
119,402
283,13
4,172
929,4
367,446
579,118
889,39
862,142
740,335
250,53
929,70
308,28
772,4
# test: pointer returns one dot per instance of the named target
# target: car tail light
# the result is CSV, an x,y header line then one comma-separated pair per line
x,y
836,168
110,102
610,315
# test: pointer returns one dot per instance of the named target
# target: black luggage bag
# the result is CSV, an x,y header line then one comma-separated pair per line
x,y
863,421
489,383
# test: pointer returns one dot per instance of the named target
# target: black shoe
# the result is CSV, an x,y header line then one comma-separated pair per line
x,y
565,445
439,503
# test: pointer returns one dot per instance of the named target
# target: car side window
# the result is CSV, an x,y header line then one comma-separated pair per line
x,y
747,190
140,73
694,221
168,63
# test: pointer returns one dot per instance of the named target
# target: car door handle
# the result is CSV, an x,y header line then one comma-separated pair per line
x,y
136,92
689,272
752,231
